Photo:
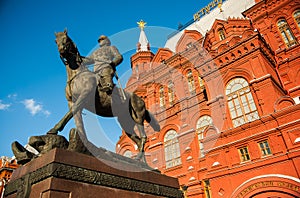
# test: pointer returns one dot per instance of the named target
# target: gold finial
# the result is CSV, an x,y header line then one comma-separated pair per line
x,y
141,24
220,6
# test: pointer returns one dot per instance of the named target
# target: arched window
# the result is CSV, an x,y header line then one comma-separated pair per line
x,y
202,86
221,33
286,33
202,124
201,82
191,83
161,97
240,102
172,150
297,17
171,92
127,153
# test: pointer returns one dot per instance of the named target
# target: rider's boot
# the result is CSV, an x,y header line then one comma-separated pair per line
x,y
106,84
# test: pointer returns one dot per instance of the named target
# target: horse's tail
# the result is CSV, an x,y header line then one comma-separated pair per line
x,y
149,117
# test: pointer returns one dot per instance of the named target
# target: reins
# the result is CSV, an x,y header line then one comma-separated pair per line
x,y
71,51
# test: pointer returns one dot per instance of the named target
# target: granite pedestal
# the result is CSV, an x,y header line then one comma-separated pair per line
x,y
61,173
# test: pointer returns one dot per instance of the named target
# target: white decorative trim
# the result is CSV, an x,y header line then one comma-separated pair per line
x,y
297,100
192,179
297,140
188,148
154,138
260,78
154,145
216,164
189,158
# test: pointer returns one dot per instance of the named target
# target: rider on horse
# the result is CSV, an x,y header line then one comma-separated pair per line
x,y
105,60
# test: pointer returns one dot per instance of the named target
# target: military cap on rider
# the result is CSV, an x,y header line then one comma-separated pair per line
x,y
102,37
103,41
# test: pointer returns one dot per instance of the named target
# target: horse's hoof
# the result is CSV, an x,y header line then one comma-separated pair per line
x,y
140,156
52,132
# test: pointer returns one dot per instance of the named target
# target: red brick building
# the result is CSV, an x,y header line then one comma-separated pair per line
x,y
226,91
7,166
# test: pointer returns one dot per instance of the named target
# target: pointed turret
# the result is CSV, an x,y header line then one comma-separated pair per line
x,y
143,44
140,61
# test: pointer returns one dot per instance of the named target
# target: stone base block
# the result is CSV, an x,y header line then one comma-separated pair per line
x,y
62,173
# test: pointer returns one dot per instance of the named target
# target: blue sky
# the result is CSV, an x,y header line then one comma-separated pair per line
x,y
33,77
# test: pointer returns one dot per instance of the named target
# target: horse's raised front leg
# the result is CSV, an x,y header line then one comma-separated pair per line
x,y
62,123
77,106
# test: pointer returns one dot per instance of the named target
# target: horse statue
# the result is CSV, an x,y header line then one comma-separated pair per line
x,y
82,93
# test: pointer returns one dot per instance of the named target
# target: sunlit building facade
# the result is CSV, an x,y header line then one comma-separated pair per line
x,y
7,166
226,91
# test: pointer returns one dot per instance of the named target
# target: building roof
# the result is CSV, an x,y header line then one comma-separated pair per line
x,y
230,8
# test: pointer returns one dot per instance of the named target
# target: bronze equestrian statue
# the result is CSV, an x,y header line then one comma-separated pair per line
x,y
82,93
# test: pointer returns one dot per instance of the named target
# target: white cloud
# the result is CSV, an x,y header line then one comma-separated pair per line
x,y
34,107
4,106
12,96
46,112
31,105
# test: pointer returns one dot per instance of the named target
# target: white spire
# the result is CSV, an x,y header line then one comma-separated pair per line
x,y
143,44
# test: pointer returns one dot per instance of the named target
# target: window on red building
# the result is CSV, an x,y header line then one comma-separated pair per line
x,y
189,45
286,33
191,83
244,154
264,148
207,189
136,68
201,82
161,97
221,33
297,17
240,101
171,92
172,150
202,124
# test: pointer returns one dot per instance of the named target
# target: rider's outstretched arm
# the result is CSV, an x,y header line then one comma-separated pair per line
x,y
87,60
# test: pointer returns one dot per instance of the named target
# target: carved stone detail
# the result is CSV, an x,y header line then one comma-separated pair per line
x,y
88,176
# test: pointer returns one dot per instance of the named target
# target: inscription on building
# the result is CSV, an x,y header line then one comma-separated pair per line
x,y
207,9
268,184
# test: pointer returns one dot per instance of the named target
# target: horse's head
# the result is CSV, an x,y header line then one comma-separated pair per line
x,y
67,50
63,42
